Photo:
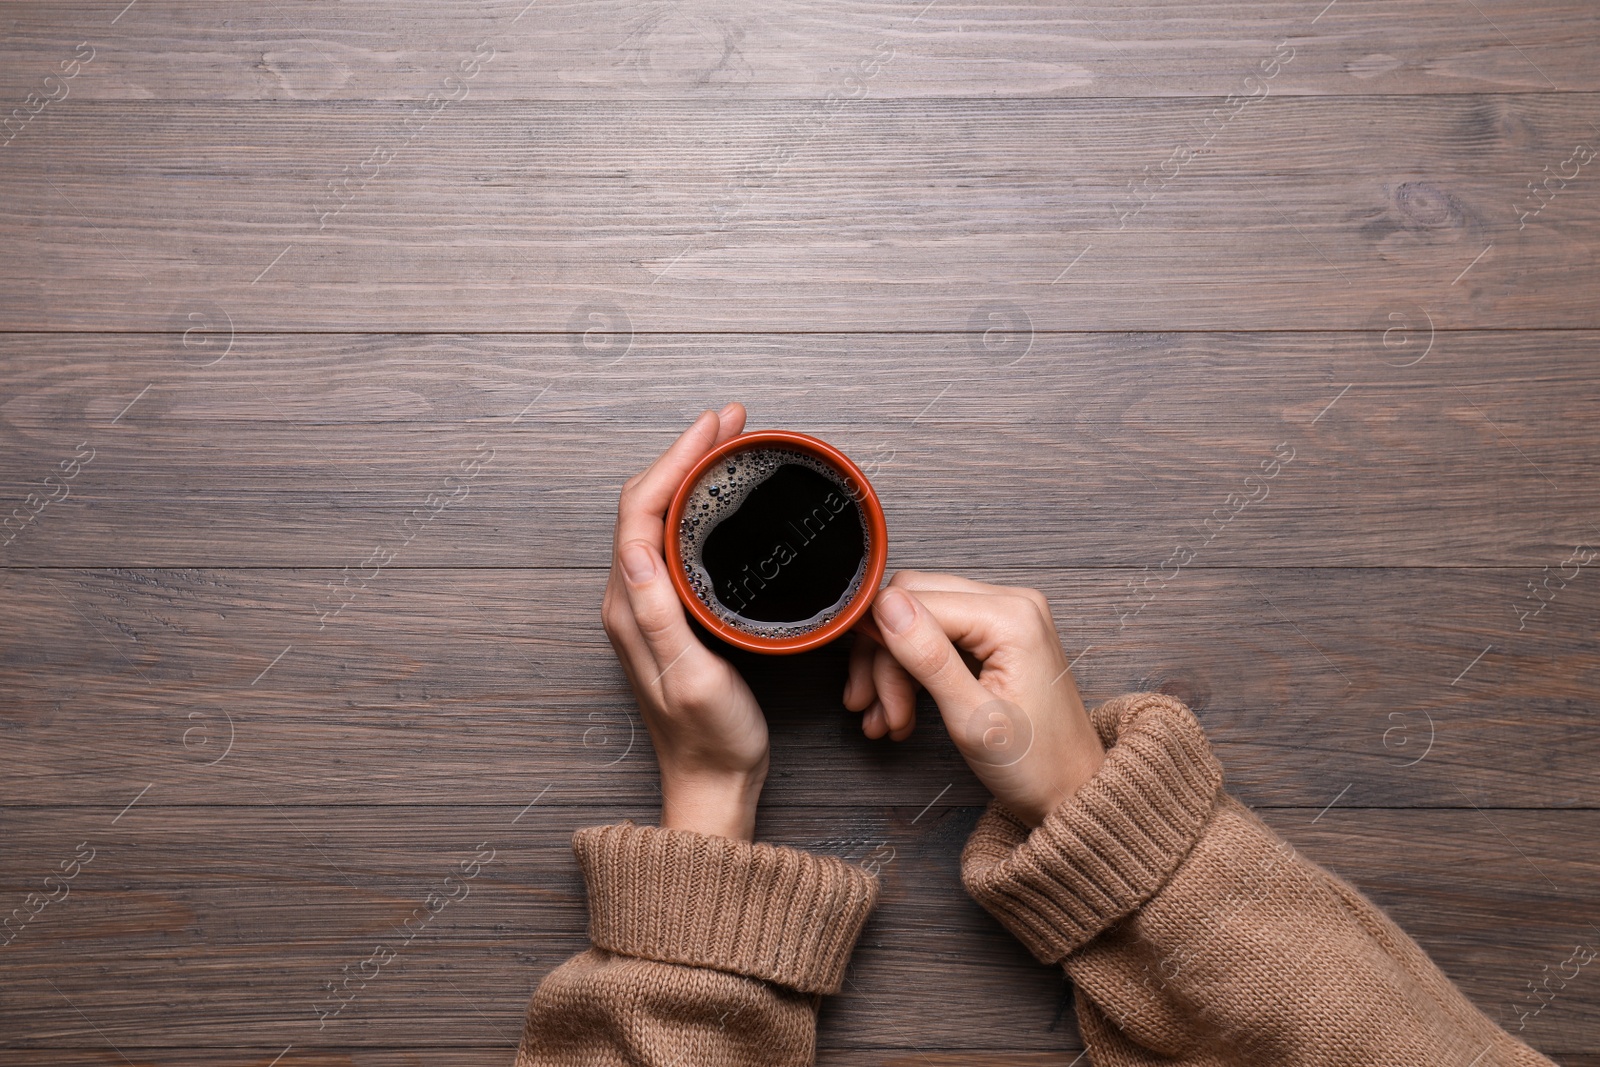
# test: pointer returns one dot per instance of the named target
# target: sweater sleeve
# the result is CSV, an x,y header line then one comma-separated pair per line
x,y
1196,936
707,952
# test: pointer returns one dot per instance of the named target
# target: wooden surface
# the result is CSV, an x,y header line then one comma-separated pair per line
x,y
1028,263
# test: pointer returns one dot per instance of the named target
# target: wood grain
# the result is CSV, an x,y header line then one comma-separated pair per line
x,y
463,1054
1101,450
285,897
1063,278
1408,687
894,215
295,50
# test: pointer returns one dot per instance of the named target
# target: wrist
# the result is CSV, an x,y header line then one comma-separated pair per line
x,y
719,806
1033,805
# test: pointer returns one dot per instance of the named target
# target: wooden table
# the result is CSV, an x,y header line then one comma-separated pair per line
x,y
1260,336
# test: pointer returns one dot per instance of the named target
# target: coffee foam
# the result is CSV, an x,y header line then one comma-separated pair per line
x,y
718,494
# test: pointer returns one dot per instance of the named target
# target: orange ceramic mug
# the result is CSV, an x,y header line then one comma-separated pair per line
x,y
854,483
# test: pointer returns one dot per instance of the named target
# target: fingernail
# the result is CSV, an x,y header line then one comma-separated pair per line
x,y
638,564
875,708
895,610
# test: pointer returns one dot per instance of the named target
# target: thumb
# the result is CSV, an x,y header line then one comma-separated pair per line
x,y
655,605
919,642
992,733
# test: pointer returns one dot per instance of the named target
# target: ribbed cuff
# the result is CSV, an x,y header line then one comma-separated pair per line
x,y
1113,844
778,914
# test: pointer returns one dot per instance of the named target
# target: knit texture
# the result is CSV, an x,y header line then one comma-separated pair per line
x,y
1194,935
778,914
708,952
1111,846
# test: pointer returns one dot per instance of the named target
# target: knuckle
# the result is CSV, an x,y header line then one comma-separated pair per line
x,y
652,624
895,683
1046,616
1029,607
929,659
688,692
1032,596
654,620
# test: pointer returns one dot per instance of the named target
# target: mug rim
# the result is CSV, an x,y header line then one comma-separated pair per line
x,y
877,548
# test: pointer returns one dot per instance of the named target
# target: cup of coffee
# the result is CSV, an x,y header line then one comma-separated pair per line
x,y
775,542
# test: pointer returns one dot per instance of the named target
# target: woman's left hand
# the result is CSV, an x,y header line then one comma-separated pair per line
x,y
709,733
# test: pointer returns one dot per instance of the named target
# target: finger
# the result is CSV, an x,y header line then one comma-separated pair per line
x,y
656,610
622,628
919,640
858,690
872,723
980,623
949,583
732,418
642,506
897,693
920,581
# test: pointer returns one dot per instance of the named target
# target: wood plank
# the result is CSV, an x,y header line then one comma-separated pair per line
x,y
898,215
460,1055
468,1054
1385,687
295,451
300,50
198,922
1048,377
268,943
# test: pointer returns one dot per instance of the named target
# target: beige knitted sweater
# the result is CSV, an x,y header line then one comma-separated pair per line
x,y
1194,935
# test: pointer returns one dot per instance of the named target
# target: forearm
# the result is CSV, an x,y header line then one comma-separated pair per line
x,y
1254,952
1195,935
717,805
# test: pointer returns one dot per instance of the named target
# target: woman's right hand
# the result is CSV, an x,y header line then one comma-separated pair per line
x,y
1020,723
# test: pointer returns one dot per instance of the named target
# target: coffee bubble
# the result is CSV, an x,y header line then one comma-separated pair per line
x,y
718,495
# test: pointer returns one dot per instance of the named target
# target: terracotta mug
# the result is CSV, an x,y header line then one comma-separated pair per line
x,y
854,483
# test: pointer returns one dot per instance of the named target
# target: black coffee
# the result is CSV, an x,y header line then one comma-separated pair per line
x,y
773,542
